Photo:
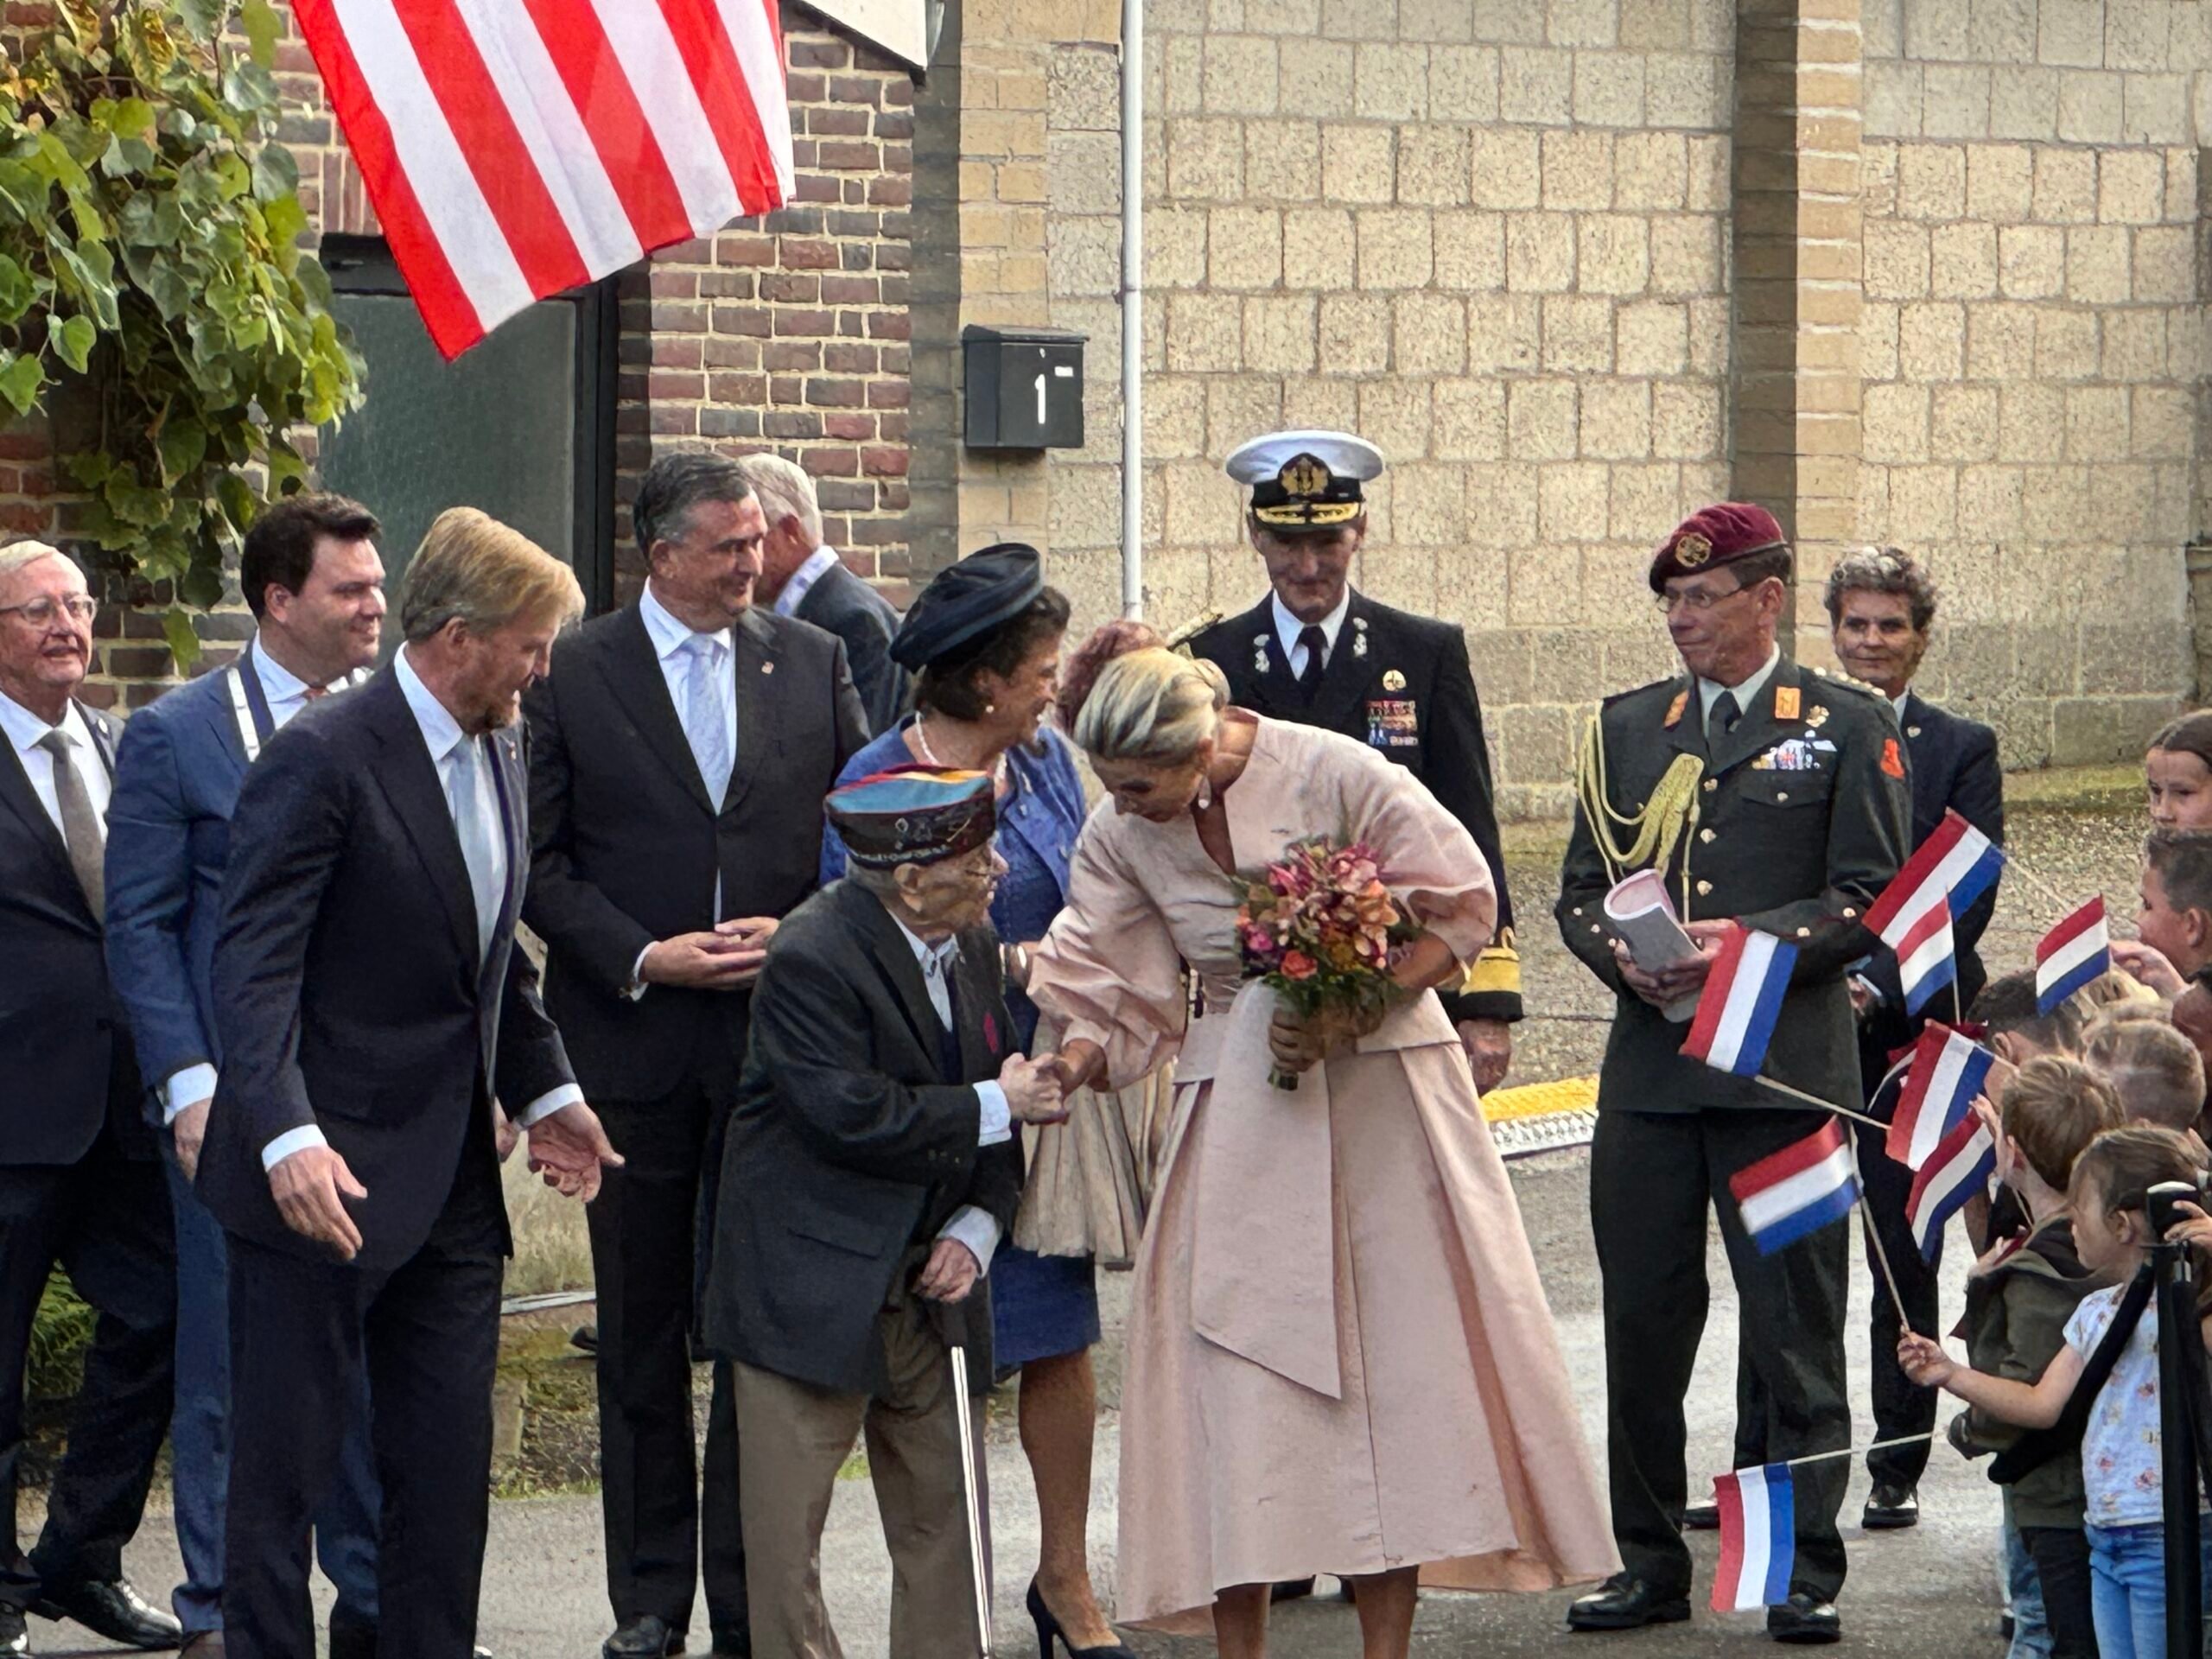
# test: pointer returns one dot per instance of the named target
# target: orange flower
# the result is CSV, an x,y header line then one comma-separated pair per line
x,y
1296,964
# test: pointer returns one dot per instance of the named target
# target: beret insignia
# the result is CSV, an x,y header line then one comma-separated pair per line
x,y
1693,550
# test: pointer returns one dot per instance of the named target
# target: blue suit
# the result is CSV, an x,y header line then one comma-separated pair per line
x,y
177,776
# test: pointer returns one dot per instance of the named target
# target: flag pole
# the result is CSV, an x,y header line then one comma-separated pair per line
x,y
2064,904
1814,1100
1882,1255
1854,1450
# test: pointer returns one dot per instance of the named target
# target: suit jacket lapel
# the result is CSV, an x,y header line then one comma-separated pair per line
x,y
17,791
977,975
758,698
895,956
510,781
103,738
1350,671
632,671
1686,735
409,780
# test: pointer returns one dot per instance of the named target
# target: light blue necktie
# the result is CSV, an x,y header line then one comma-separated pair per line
x,y
476,822
704,716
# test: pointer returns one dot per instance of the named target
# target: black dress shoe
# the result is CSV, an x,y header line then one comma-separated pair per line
x,y
1701,1517
1805,1621
1291,1590
13,1637
646,1636
1889,1507
113,1610
1627,1604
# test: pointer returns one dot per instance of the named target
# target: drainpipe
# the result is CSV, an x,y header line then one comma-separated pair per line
x,y
1133,307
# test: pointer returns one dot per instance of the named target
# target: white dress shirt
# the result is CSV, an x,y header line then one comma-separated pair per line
x,y
25,730
442,736
670,636
1708,691
971,1225
795,591
286,694
1288,627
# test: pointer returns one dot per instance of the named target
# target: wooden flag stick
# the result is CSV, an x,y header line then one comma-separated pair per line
x,y
1882,1255
1825,1105
2065,905
1854,1450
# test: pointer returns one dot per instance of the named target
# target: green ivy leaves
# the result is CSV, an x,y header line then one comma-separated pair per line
x,y
151,271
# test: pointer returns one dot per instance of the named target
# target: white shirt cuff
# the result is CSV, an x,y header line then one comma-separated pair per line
x,y
548,1104
997,1124
978,1230
292,1141
636,987
187,1087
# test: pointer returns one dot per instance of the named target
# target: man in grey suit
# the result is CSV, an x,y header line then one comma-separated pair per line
x,y
801,577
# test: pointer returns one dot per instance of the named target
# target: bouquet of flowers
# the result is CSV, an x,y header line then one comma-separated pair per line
x,y
1319,927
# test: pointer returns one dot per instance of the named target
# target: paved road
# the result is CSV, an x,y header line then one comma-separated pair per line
x,y
1925,1592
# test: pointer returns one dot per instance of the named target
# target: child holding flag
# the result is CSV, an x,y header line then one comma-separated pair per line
x,y
2121,1473
2018,1299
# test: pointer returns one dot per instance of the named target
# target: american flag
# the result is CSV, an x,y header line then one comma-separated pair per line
x,y
516,148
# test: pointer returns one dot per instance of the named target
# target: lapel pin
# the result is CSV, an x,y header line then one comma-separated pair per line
x,y
1912,731
768,668
1359,641
1393,680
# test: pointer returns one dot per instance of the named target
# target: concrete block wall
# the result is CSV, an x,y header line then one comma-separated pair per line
x,y
2033,347
1493,239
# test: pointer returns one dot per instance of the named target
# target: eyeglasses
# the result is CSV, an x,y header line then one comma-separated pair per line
x,y
41,612
1698,599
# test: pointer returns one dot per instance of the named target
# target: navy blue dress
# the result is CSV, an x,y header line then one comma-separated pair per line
x,y
1041,1306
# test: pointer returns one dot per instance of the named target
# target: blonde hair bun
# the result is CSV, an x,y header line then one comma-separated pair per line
x,y
1152,704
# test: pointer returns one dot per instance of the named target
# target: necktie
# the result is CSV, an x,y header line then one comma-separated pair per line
x,y
81,831
704,716
937,975
1317,644
475,822
1725,714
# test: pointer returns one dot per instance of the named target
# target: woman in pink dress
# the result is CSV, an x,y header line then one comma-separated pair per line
x,y
1339,1354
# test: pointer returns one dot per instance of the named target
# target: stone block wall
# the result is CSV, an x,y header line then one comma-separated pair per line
x,y
1494,239
2033,345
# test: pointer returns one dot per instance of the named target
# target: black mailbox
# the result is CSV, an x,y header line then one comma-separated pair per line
x,y
1025,387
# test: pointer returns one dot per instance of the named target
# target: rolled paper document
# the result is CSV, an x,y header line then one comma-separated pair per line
x,y
1643,916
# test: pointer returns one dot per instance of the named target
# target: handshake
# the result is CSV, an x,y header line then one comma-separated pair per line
x,y
1037,1090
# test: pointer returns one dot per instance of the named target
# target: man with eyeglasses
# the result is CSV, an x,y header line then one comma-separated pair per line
x,y
81,1176
1768,795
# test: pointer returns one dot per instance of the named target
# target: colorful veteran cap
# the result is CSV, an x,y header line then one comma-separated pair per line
x,y
1712,537
969,598
1305,479
913,815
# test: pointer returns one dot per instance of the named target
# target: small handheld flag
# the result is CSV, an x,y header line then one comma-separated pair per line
x,y
1959,1166
1742,999
1957,862
1799,1190
1942,1078
1758,1538
2076,951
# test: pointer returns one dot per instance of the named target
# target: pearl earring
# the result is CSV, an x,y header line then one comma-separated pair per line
x,y
1205,793
990,707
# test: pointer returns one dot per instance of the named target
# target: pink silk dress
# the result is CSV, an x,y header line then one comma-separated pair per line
x,y
1339,1356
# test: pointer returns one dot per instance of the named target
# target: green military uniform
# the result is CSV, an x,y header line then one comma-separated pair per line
x,y
1792,823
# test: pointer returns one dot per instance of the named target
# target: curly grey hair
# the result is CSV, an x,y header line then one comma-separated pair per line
x,y
1882,570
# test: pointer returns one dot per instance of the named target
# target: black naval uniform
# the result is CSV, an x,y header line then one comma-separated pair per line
x,y
1402,684
1800,822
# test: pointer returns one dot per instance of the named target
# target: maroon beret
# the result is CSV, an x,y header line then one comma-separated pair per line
x,y
1715,535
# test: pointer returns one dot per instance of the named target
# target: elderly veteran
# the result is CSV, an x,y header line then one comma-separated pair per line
x,y
984,639
1764,794
1318,653
870,1172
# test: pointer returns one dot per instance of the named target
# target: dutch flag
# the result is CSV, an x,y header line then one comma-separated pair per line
x,y
2070,955
1959,1166
1946,1072
1799,1190
1742,999
1758,1538
1945,874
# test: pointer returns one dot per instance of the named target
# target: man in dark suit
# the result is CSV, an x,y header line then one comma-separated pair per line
x,y
1318,653
311,576
372,1012
801,577
683,746
871,1172
81,1178
1765,794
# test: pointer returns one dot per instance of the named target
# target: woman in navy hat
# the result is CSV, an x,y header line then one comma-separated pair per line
x,y
984,641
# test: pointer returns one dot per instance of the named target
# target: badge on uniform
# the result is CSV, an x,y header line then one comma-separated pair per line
x,y
1892,762
1785,703
1794,755
1818,717
1393,680
1359,636
1674,710
1259,653
1393,723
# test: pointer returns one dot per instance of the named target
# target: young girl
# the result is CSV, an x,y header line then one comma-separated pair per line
x,y
2120,1466
2177,773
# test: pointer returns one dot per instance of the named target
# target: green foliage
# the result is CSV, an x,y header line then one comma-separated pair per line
x,y
148,253
59,1334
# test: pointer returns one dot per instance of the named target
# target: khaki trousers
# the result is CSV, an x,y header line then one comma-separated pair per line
x,y
793,1438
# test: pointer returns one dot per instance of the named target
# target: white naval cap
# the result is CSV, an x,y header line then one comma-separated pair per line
x,y
1308,477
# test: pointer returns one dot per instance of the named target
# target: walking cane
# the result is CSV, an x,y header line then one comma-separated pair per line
x,y
971,1496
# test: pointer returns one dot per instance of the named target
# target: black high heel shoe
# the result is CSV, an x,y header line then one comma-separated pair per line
x,y
1048,1630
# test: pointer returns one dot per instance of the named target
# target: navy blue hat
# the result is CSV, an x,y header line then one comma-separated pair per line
x,y
968,598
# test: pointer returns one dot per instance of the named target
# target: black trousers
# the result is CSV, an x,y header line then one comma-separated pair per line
x,y
1655,1176
2062,1559
105,1220
1901,1407
649,1229
301,1330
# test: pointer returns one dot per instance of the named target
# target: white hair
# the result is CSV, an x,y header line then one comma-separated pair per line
x,y
786,492
20,556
